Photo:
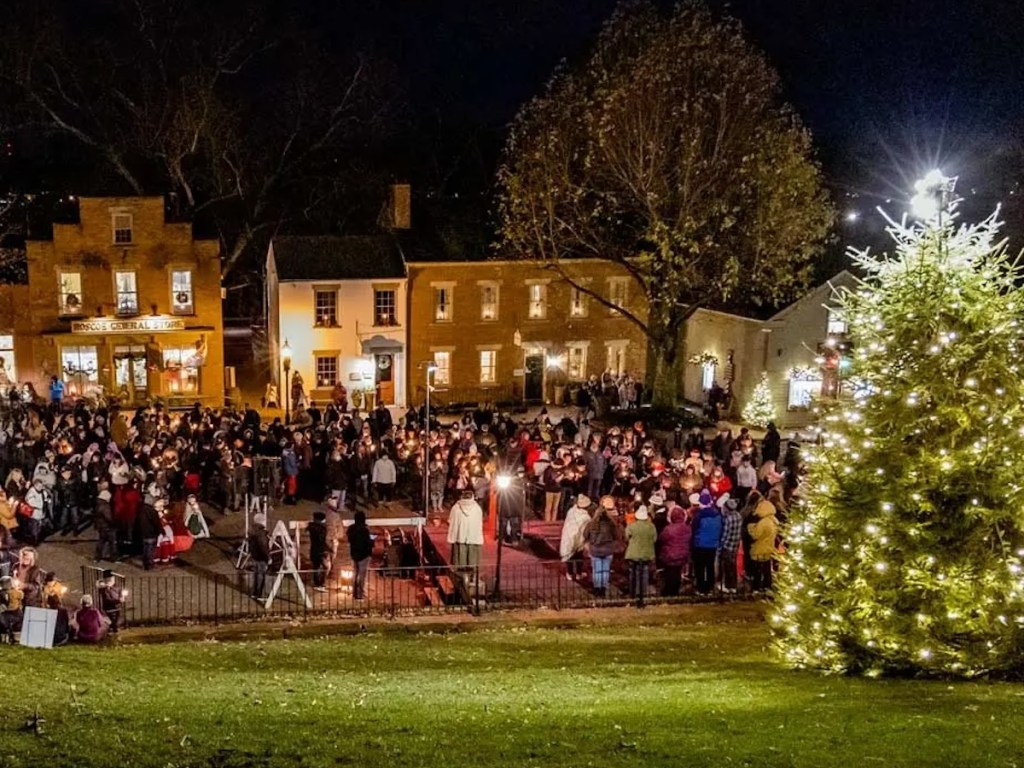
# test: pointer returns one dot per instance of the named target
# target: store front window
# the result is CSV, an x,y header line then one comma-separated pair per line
x,y
8,372
181,370
130,371
81,368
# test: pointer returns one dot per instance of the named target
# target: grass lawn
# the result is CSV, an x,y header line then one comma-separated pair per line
x,y
697,695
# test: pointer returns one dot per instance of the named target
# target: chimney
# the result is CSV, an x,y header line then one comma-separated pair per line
x,y
400,206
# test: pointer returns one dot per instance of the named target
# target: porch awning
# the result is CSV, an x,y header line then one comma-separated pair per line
x,y
380,344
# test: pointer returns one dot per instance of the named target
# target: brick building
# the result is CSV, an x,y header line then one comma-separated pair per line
x,y
122,302
512,330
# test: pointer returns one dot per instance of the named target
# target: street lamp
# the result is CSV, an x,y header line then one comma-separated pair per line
x,y
932,196
286,361
429,368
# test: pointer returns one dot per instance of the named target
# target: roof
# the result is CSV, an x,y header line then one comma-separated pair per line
x,y
355,257
819,294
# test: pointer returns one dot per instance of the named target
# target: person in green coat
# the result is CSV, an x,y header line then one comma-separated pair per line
x,y
640,538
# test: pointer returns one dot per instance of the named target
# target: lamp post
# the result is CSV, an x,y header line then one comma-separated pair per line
x,y
429,368
286,361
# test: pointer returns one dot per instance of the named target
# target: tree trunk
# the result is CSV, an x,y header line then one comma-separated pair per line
x,y
665,371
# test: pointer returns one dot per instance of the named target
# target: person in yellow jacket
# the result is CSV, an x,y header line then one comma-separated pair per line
x,y
11,602
763,531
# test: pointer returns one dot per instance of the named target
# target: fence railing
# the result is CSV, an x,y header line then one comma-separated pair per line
x,y
158,599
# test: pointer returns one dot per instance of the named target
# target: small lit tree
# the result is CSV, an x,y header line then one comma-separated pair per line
x,y
760,409
905,551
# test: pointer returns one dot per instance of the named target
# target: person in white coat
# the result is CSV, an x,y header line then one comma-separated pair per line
x,y
570,547
466,531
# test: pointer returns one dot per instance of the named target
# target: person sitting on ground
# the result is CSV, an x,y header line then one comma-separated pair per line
x,y
62,629
89,625
11,605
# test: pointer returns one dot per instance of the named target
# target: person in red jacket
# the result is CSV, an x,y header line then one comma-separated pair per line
x,y
127,500
718,483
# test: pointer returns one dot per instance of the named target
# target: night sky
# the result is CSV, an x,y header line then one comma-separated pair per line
x,y
889,89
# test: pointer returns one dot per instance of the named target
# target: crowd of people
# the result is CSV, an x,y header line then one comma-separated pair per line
x,y
140,476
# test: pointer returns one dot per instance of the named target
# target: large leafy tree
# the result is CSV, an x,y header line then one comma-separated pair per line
x,y
671,153
905,553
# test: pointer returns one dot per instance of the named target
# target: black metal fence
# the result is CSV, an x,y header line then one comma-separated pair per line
x,y
157,599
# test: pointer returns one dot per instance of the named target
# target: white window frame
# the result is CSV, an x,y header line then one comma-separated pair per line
x,y
576,370
326,357
64,291
537,300
801,392
118,293
177,307
618,293
330,308
442,367
378,293
835,325
491,315
119,228
488,366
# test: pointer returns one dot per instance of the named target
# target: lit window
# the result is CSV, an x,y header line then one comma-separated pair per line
x,y
122,224
708,372
802,390
71,293
81,368
384,307
326,370
181,292
488,366
181,370
616,358
326,309
8,371
617,292
127,296
576,362
836,323
443,304
577,303
442,372
130,366
538,308
489,302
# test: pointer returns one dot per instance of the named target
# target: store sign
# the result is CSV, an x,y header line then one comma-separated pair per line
x,y
103,325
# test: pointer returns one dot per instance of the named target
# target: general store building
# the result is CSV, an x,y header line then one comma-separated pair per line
x,y
122,303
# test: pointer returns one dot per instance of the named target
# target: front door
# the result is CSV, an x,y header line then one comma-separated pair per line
x,y
385,368
533,388
130,373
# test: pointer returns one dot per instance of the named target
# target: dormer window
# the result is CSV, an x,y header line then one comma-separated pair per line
x,y
122,225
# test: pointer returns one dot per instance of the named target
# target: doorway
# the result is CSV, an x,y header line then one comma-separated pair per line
x,y
130,372
384,367
533,387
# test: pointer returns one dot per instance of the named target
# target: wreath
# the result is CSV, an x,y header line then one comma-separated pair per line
x,y
384,362
183,298
704,358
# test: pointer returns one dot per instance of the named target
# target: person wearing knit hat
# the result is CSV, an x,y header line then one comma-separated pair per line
x,y
707,533
640,538
602,537
570,546
694,499
729,545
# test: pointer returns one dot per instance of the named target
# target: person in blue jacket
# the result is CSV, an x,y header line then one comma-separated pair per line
x,y
707,534
56,393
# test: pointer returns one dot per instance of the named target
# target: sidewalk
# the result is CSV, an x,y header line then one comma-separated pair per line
x,y
659,615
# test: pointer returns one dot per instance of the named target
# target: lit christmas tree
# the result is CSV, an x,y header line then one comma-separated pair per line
x,y
906,553
760,409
